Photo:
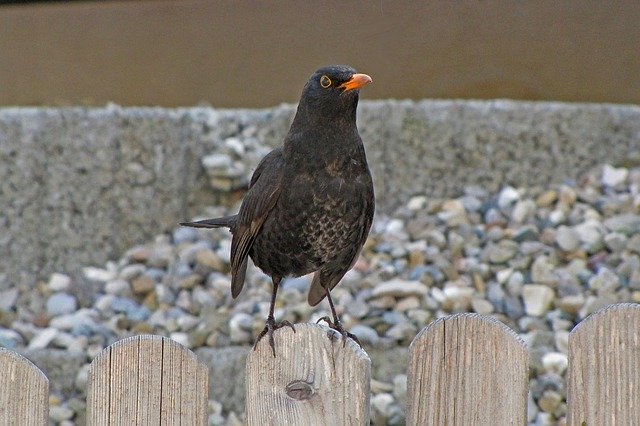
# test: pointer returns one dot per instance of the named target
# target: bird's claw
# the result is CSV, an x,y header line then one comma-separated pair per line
x,y
271,326
337,326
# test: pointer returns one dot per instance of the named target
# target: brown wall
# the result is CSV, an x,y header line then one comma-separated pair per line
x,y
253,54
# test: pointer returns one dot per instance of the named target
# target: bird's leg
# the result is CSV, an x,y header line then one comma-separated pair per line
x,y
271,324
336,324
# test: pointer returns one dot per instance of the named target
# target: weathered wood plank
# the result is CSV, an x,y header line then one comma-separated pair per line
x,y
24,391
603,385
467,369
313,380
147,380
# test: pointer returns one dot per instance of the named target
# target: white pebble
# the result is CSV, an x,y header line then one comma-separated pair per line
x,y
555,362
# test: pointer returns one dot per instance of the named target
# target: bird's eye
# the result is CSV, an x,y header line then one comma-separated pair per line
x,y
325,81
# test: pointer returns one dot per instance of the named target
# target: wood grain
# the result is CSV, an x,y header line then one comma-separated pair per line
x,y
467,369
313,380
603,386
147,380
24,391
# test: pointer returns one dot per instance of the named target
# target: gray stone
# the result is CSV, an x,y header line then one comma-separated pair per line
x,y
501,252
591,234
8,299
59,282
365,334
400,288
604,282
83,318
481,306
615,241
549,401
627,223
382,407
60,304
543,271
537,299
457,299
42,339
634,243
532,408
613,176
400,389
568,239
10,338
118,288
127,273
523,210
60,413
513,307
301,284
402,331
593,303
555,362
97,274
507,197
453,213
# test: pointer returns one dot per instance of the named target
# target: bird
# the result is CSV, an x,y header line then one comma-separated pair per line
x,y
310,202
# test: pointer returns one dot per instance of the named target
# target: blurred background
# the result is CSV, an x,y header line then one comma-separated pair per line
x,y
258,54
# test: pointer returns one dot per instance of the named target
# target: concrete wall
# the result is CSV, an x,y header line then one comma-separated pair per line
x,y
79,186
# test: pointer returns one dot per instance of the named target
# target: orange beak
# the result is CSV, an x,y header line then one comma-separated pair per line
x,y
355,82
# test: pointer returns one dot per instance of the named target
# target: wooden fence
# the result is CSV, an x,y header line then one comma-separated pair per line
x,y
463,369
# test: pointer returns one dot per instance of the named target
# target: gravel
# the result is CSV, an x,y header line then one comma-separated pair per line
x,y
538,259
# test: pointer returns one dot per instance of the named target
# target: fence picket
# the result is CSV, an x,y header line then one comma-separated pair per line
x,y
603,385
467,369
147,380
313,379
24,391
463,369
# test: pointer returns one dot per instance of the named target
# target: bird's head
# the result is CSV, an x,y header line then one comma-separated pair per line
x,y
332,92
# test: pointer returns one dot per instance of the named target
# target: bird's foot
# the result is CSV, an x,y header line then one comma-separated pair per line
x,y
337,326
268,329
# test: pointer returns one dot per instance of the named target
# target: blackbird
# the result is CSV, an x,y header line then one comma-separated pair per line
x,y
310,202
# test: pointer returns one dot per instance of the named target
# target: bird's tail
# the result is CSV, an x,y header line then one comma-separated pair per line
x,y
219,222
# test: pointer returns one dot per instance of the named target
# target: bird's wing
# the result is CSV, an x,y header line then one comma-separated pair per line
x,y
262,196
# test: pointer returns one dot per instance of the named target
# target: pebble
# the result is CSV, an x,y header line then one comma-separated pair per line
x,y
501,252
400,288
59,414
98,274
538,259
42,339
612,176
537,299
60,304
366,334
59,282
555,362
10,338
142,284
118,288
626,223
8,299
481,306
507,197
549,401
453,213
568,239
382,404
